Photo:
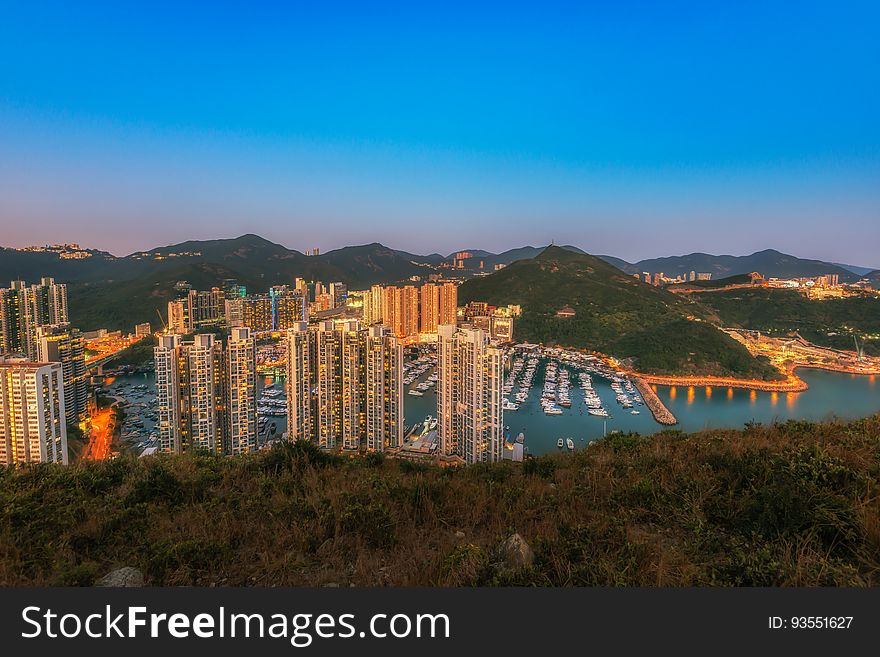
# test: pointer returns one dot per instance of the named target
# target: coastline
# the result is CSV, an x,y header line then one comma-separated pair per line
x,y
793,383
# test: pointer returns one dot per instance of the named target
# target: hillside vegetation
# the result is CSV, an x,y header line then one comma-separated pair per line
x,y
783,505
663,333
829,322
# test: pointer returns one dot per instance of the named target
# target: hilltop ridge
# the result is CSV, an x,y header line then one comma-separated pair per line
x,y
615,313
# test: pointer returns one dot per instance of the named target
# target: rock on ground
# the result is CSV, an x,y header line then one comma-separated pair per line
x,y
515,553
126,577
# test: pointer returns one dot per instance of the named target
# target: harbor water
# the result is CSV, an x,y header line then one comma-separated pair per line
x,y
831,394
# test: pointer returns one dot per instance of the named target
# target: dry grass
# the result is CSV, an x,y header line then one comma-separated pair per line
x,y
795,504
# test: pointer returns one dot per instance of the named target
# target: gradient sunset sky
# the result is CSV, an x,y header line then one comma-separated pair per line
x,y
637,129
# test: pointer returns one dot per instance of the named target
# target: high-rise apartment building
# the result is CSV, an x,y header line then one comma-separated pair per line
x,y
469,412
178,317
383,390
12,320
328,380
170,389
405,311
241,392
448,304
257,313
300,366
234,311
203,392
206,393
25,308
302,286
32,415
344,386
389,306
338,294
353,384
288,307
197,310
373,305
430,308
60,343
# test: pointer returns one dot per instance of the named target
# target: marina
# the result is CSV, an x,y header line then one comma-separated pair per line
x,y
599,407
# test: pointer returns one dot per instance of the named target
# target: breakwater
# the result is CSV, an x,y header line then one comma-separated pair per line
x,y
662,414
791,384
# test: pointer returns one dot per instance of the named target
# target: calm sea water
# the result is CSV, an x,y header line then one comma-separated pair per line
x,y
831,394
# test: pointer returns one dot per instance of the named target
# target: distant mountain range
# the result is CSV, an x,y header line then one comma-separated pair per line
x,y
143,281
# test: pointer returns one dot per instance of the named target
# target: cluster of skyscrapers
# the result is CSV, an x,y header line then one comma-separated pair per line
x,y
344,378
410,310
275,310
345,386
43,378
206,392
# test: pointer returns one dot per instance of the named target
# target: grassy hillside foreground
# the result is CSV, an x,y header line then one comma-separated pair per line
x,y
790,504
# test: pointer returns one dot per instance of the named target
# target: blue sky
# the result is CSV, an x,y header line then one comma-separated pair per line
x,y
638,129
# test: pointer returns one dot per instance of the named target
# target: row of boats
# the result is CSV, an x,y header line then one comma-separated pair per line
x,y
416,368
272,402
524,371
591,397
626,394
425,386
557,387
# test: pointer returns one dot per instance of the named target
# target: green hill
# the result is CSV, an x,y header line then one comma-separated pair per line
x,y
663,333
784,505
828,322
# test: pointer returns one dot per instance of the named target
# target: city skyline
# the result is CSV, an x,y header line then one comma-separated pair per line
x,y
632,131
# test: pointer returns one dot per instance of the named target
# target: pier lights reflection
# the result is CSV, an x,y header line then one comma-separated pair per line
x,y
730,393
690,395
673,392
753,396
708,392
774,398
790,399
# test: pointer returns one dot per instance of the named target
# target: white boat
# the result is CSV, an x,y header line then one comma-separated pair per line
x,y
570,443
416,393
634,412
559,443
